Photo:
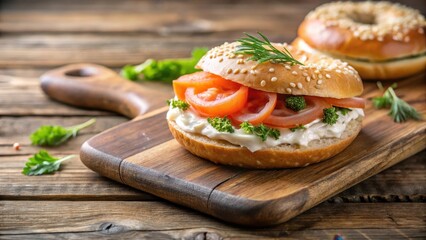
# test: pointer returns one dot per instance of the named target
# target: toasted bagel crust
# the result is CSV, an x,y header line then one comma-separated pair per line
x,y
378,70
372,30
283,156
320,75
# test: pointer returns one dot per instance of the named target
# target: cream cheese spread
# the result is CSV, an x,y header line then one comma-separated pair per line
x,y
190,122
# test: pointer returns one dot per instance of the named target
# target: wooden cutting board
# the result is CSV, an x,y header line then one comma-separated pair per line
x,y
143,154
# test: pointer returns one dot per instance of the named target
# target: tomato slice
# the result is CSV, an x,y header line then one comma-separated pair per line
x,y
217,101
286,118
354,102
200,81
257,108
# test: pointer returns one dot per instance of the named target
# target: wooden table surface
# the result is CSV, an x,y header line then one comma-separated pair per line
x,y
76,203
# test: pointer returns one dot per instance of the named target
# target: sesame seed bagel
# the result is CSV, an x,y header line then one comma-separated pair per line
x,y
369,32
319,75
397,68
282,156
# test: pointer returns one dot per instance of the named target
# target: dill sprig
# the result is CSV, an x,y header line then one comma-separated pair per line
x,y
400,110
263,50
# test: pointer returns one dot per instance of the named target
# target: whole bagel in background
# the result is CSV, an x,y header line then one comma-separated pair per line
x,y
381,40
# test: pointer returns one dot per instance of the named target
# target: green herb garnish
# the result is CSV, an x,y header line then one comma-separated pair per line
x,y
295,103
178,104
163,70
42,163
330,116
343,110
261,130
400,111
263,50
56,135
299,127
221,124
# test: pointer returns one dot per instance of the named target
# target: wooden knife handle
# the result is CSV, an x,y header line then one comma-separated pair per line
x,y
94,86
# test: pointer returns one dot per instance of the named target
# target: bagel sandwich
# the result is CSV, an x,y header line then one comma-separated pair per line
x,y
258,104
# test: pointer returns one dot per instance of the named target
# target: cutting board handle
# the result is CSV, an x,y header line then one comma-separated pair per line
x,y
94,86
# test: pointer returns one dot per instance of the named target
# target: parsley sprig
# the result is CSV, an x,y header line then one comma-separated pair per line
x,y
261,130
400,111
221,124
178,104
298,127
55,135
330,116
262,50
42,163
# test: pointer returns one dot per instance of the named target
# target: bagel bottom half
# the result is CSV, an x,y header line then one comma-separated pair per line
x,y
388,70
282,156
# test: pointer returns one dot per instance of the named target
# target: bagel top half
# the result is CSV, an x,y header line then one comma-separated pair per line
x,y
319,75
376,31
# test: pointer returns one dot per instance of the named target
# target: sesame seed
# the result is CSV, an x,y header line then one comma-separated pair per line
x,y
308,79
220,59
338,71
294,73
236,71
319,82
320,75
263,83
292,84
271,70
299,85
327,75
244,70
229,70
274,79
407,39
287,67
305,74
288,90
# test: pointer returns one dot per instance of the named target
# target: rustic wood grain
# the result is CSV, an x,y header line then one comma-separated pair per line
x,y
404,182
28,40
162,18
91,219
145,159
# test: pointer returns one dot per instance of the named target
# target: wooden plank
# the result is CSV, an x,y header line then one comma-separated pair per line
x,y
162,19
171,17
110,50
112,232
18,130
88,218
404,182
73,182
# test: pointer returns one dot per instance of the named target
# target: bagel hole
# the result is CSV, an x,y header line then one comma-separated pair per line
x,y
362,18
